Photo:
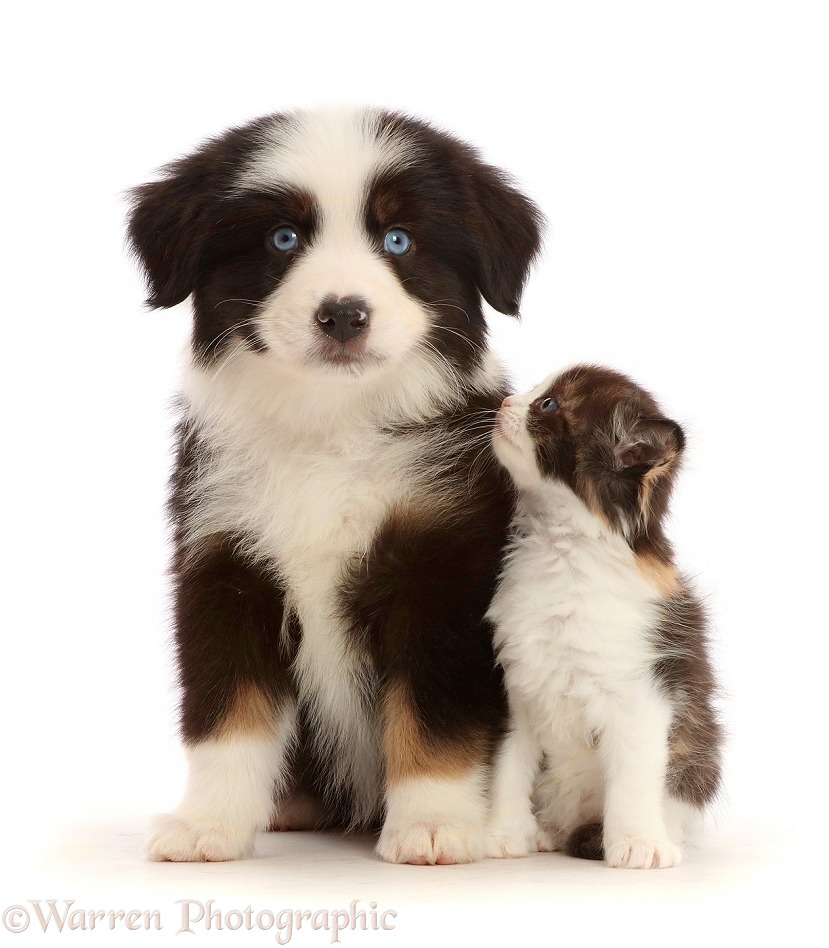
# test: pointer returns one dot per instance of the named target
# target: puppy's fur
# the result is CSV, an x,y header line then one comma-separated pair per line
x,y
602,641
337,524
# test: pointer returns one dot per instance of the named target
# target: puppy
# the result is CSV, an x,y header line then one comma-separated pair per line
x,y
603,642
337,524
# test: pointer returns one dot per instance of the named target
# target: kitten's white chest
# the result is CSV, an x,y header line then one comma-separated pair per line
x,y
572,615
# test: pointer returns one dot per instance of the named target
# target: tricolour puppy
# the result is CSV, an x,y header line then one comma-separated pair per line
x,y
338,517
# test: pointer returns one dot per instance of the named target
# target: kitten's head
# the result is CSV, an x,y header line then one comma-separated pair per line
x,y
601,435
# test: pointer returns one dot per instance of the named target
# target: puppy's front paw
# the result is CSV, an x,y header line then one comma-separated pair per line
x,y
633,852
176,837
431,843
512,840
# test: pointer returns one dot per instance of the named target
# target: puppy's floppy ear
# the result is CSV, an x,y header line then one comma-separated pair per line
x,y
651,442
507,238
171,217
164,232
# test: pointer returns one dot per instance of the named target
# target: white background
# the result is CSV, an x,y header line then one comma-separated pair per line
x,y
680,154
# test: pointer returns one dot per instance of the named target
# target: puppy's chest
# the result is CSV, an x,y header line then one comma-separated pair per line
x,y
573,615
308,508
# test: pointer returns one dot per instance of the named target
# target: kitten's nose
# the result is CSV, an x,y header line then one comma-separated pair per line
x,y
508,401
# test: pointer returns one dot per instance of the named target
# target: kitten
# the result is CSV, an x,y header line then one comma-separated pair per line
x,y
602,642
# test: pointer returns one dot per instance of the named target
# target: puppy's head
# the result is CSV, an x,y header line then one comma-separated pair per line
x,y
600,434
336,242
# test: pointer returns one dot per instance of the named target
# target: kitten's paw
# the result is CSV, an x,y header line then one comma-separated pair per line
x,y
642,853
511,840
548,839
431,843
179,838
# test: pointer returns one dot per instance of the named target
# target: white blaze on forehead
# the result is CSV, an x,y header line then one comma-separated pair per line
x,y
511,441
332,153
541,388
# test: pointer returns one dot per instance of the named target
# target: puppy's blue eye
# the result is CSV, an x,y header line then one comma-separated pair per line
x,y
397,242
285,239
548,405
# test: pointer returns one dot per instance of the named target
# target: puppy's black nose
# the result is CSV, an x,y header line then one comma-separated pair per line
x,y
344,318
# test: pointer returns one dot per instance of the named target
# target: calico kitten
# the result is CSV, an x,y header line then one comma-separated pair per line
x,y
602,641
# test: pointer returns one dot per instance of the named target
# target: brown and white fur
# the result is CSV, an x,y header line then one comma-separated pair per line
x,y
603,643
337,521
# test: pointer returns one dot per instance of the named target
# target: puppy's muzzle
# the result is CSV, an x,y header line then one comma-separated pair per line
x,y
343,319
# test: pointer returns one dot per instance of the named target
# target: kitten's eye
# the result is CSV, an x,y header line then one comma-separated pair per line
x,y
548,405
397,242
285,239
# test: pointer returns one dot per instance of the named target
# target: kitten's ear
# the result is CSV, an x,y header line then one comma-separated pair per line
x,y
652,442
